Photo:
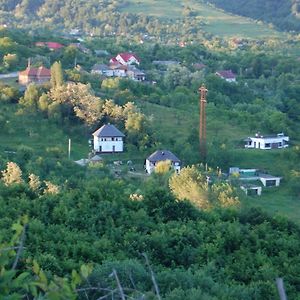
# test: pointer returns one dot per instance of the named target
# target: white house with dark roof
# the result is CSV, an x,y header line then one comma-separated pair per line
x,y
108,139
162,155
267,142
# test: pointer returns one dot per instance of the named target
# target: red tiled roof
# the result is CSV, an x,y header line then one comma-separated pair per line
x,y
54,45
50,45
113,60
30,71
126,56
42,71
36,72
228,74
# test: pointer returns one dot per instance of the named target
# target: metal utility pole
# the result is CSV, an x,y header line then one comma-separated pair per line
x,y
202,124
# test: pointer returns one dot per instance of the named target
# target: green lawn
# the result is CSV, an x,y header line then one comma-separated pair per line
x,y
217,22
39,133
276,201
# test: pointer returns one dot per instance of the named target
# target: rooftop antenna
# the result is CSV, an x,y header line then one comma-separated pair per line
x,y
202,124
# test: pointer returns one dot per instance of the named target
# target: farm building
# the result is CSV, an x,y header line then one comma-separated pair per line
x,y
162,155
267,142
108,139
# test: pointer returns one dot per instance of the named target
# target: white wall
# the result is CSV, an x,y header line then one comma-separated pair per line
x,y
150,167
266,144
108,145
264,180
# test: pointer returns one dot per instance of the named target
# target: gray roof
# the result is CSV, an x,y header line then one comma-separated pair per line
x,y
100,67
108,130
267,176
96,158
160,155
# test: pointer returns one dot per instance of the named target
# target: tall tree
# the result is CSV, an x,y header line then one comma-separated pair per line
x,y
57,78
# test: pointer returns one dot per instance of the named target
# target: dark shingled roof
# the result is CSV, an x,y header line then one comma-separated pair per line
x,y
160,155
108,130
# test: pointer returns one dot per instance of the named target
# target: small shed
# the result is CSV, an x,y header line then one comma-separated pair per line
x,y
251,189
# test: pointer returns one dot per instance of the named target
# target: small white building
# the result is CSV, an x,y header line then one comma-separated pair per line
x,y
266,142
162,155
245,175
108,139
268,180
251,189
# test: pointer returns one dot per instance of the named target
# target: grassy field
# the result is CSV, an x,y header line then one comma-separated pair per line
x,y
39,134
217,22
276,201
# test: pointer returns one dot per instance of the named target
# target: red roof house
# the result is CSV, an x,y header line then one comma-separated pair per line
x,y
50,45
125,58
36,75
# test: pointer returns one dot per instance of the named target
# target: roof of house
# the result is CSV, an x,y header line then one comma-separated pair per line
x,y
96,158
42,71
166,62
108,130
31,71
100,67
267,176
126,56
50,45
227,74
54,45
161,155
270,136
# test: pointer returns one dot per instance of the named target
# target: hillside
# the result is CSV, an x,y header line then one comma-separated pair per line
x,y
110,229
168,21
284,14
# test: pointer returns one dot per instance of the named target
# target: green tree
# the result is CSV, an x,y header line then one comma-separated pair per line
x,y
163,167
57,77
10,60
190,184
31,97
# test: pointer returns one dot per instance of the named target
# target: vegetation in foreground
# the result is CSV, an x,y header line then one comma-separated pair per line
x,y
73,216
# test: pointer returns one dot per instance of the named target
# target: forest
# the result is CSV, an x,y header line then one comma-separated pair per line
x,y
283,14
71,232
